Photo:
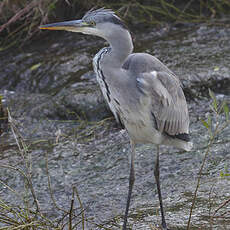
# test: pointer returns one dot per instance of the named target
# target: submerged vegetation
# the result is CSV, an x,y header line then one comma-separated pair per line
x,y
19,20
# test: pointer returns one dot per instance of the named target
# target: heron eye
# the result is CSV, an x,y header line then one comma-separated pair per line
x,y
92,23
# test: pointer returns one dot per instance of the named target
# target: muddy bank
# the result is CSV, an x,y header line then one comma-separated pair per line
x,y
50,89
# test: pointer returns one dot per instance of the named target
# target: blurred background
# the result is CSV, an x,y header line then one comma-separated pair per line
x,y
19,20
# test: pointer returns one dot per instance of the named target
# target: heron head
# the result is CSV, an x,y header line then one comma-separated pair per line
x,y
101,22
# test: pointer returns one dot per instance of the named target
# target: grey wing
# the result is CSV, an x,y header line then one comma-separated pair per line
x,y
145,63
155,80
168,104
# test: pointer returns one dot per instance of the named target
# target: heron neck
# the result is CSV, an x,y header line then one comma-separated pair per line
x,y
121,47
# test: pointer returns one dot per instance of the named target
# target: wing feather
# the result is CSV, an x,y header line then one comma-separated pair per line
x,y
155,80
168,101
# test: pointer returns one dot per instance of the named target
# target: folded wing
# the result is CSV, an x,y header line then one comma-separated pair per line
x,y
168,104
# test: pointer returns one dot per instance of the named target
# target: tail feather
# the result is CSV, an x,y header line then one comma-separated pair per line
x,y
178,143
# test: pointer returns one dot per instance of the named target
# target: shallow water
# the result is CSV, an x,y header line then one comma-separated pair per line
x,y
50,90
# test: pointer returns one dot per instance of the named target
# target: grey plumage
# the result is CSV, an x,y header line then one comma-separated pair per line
x,y
142,93
101,15
168,102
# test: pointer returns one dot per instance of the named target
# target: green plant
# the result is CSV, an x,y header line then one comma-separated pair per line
x,y
214,126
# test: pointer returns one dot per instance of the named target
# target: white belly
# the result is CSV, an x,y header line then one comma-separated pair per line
x,y
140,127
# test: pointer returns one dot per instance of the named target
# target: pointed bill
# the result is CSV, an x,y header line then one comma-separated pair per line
x,y
75,26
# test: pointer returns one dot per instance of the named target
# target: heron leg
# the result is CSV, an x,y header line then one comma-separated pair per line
x,y
131,183
157,177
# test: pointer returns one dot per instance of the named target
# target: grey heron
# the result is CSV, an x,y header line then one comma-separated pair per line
x,y
144,96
